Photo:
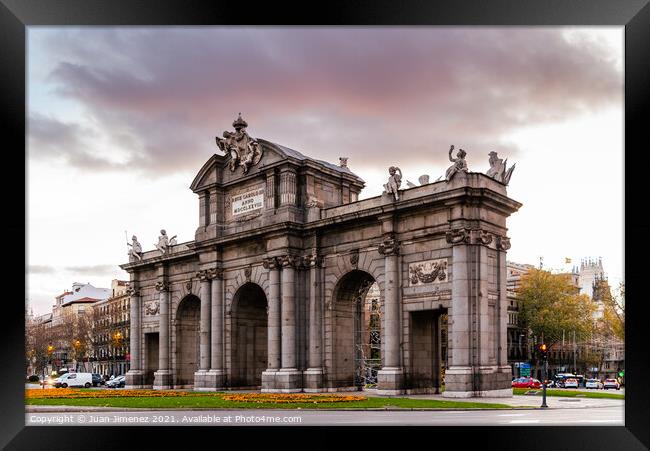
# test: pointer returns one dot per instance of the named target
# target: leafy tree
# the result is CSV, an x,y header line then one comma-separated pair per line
x,y
612,324
550,304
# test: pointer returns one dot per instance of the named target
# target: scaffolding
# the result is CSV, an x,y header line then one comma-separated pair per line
x,y
367,335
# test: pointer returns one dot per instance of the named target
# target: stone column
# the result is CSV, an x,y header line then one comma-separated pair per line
x,y
313,376
135,375
204,331
163,377
274,325
288,379
390,379
502,245
473,364
215,378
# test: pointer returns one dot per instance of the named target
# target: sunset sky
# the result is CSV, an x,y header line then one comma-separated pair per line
x,y
120,120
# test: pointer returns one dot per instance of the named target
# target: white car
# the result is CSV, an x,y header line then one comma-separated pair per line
x,y
571,383
74,380
593,383
611,383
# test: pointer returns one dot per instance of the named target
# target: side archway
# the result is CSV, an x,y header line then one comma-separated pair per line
x,y
188,319
249,336
356,338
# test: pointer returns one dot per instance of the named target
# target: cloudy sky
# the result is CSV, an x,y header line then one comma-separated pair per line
x,y
121,119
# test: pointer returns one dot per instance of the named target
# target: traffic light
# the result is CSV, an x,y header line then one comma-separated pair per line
x,y
543,350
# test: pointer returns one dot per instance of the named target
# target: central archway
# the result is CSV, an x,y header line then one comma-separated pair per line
x,y
249,354
357,331
188,317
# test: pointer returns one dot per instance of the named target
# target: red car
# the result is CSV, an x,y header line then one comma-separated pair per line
x,y
526,382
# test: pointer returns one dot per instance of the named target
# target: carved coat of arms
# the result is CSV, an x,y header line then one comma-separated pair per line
x,y
244,150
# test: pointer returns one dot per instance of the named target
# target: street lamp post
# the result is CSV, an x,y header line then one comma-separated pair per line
x,y
50,350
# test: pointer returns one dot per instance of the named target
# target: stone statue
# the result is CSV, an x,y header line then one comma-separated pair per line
x,y
163,242
498,169
423,179
459,163
136,248
172,241
394,181
244,151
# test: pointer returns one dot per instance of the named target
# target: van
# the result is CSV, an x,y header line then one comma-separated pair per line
x,y
75,380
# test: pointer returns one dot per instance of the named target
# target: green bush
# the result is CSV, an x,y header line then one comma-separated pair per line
x,y
33,378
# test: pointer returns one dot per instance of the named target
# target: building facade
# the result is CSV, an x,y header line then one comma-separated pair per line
x,y
267,295
111,330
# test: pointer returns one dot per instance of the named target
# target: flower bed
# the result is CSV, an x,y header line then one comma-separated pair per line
x,y
289,398
274,398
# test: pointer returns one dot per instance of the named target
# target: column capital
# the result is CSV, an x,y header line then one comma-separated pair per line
x,y
503,243
215,273
162,286
271,263
389,246
312,261
289,261
132,291
458,236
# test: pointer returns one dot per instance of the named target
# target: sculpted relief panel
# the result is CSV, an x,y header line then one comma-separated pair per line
x,y
427,272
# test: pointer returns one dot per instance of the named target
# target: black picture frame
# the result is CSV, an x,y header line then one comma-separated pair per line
x,y
16,15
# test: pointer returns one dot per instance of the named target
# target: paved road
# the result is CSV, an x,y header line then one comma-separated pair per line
x,y
602,416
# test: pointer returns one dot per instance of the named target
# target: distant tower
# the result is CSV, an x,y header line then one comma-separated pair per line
x,y
590,272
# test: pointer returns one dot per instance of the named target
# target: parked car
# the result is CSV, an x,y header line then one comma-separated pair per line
x,y
117,382
571,383
611,383
74,380
526,382
97,380
593,383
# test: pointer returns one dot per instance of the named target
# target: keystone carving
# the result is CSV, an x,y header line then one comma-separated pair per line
x,y
188,286
354,259
247,273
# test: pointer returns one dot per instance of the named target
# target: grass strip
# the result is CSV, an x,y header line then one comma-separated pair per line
x,y
571,393
217,402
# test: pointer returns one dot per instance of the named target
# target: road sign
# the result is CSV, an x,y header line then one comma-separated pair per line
x,y
524,369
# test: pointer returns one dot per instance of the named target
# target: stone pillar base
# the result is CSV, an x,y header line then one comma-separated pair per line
x,y
162,380
213,380
199,379
313,380
505,393
268,380
134,379
484,381
288,380
390,381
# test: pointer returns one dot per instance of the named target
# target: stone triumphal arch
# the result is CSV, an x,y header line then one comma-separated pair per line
x,y
291,281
